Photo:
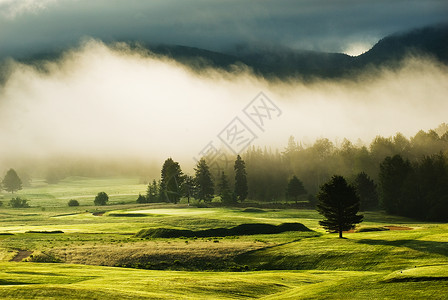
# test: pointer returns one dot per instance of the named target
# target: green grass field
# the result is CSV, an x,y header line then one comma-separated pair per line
x,y
98,255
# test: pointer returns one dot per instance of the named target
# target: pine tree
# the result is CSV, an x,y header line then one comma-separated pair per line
x,y
295,188
12,182
153,192
204,182
339,204
172,179
241,189
367,191
224,189
394,171
188,187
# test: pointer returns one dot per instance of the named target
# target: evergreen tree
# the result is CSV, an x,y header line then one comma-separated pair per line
x,y
224,189
241,189
141,199
339,204
295,188
203,181
393,174
172,179
188,187
367,191
153,192
12,182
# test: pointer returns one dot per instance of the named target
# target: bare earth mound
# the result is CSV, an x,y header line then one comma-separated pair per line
x,y
21,255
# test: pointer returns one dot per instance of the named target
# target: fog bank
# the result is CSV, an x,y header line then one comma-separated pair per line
x,y
114,103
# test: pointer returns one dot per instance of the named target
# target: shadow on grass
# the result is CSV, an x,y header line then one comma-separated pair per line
x,y
423,246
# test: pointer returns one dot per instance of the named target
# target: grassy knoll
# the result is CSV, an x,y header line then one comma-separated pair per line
x,y
97,254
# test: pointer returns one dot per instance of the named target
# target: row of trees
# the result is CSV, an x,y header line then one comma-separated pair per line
x,y
298,173
270,171
174,184
417,189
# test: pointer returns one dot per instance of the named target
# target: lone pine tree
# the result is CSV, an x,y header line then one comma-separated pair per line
x,y
203,182
12,182
339,204
171,182
295,188
224,189
241,189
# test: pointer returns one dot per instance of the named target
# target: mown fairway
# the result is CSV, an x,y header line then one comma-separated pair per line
x,y
408,262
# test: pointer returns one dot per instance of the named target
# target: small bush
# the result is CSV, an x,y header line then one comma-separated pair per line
x,y
73,203
101,199
18,203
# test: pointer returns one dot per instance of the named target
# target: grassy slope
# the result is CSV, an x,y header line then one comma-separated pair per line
x,y
369,265
24,281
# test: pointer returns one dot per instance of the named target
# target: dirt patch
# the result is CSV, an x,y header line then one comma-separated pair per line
x,y
21,255
390,227
98,213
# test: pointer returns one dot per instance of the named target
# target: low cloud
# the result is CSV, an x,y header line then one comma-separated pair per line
x,y
102,102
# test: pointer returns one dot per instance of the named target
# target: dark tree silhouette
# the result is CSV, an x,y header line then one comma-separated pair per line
x,y
224,189
393,173
241,189
101,199
188,187
153,192
295,189
204,182
11,182
367,191
141,199
424,191
171,183
339,204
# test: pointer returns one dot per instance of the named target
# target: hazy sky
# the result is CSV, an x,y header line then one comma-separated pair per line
x,y
335,26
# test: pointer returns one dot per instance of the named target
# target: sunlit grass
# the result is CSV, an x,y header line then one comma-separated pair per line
x,y
292,265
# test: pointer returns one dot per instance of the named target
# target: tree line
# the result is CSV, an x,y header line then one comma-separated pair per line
x,y
174,184
403,176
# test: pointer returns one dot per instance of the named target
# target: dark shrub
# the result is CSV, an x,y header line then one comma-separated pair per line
x,y
18,203
101,199
142,199
73,203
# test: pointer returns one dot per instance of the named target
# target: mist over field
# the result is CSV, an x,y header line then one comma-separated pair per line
x,y
113,103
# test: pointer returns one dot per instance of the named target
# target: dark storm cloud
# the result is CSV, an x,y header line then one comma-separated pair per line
x,y
30,26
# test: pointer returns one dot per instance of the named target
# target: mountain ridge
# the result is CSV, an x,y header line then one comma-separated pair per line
x,y
271,63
